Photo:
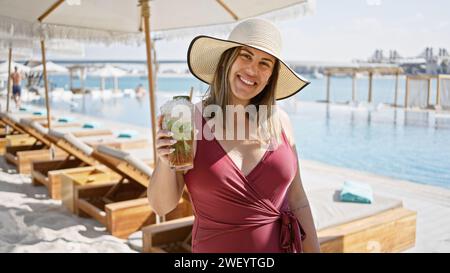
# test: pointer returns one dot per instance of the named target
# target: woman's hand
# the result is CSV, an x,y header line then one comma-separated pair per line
x,y
164,142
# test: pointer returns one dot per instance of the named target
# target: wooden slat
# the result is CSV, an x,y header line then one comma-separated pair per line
x,y
390,231
127,217
93,211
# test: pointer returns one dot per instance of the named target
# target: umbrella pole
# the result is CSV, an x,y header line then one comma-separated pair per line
x,y
8,87
146,15
145,9
45,83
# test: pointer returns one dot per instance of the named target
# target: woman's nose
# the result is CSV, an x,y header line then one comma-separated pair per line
x,y
252,69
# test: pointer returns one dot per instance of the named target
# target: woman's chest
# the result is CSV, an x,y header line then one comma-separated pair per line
x,y
244,155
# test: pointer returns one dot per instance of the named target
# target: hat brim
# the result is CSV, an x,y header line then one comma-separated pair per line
x,y
204,54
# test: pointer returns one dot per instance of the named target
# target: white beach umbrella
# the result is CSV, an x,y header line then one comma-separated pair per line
x,y
51,68
13,47
109,71
5,69
118,20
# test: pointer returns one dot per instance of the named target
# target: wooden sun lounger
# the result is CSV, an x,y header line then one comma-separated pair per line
x,y
392,230
25,139
115,142
13,123
48,172
22,156
73,181
122,207
15,140
18,136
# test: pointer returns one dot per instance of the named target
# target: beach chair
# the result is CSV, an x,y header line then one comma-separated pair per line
x,y
13,122
21,138
48,172
72,182
118,140
384,226
22,156
122,206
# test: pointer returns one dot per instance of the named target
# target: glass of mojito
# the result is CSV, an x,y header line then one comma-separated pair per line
x,y
178,118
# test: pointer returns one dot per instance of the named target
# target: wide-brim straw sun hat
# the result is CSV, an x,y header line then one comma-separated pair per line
x,y
205,51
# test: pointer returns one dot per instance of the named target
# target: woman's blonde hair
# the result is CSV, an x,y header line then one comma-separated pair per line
x,y
219,93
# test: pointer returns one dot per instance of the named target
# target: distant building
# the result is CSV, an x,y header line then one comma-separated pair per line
x,y
424,63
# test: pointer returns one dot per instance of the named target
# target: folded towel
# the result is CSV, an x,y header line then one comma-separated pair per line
x,y
40,113
91,125
356,192
127,134
66,119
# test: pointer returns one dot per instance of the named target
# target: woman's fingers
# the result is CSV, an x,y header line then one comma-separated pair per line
x,y
164,133
165,142
165,151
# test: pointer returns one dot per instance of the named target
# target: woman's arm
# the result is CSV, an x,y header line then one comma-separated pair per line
x,y
298,202
166,185
164,189
299,205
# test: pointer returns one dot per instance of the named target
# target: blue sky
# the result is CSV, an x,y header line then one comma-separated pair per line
x,y
340,30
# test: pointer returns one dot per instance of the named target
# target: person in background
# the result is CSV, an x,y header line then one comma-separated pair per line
x,y
17,89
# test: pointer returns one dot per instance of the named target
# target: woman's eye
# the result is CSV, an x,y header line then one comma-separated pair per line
x,y
246,56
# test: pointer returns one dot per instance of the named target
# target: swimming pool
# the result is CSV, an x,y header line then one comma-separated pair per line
x,y
411,145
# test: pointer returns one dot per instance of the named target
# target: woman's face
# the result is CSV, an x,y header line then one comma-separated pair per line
x,y
249,74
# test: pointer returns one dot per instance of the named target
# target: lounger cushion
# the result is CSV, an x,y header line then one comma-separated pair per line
x,y
86,149
132,160
139,164
56,134
329,211
26,121
13,117
112,152
36,126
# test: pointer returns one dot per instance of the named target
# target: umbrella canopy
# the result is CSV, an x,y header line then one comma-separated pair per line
x,y
51,68
91,21
20,67
109,71
118,20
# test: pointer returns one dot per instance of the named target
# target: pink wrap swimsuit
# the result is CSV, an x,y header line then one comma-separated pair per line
x,y
243,213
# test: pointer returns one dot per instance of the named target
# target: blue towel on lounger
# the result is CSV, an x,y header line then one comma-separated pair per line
x,y
40,112
356,192
127,134
91,125
66,119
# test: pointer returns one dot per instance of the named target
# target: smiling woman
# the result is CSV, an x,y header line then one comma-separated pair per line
x,y
247,198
